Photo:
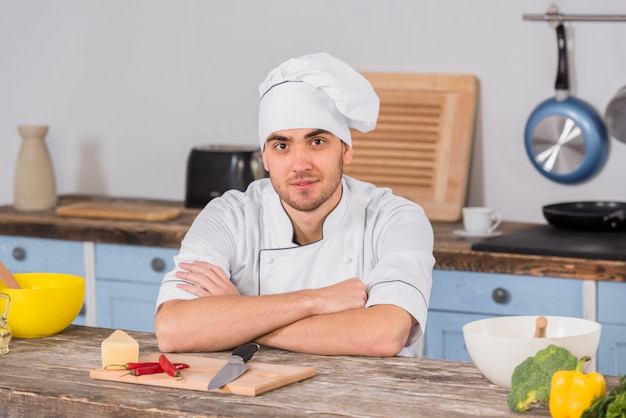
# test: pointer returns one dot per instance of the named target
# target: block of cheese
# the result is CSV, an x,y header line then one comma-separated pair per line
x,y
119,348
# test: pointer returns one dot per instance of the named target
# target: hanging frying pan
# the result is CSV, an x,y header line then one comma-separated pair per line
x,y
565,138
615,115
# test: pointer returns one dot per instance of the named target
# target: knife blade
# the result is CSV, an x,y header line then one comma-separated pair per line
x,y
235,366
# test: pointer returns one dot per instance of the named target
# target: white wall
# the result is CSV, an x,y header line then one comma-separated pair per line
x,y
129,87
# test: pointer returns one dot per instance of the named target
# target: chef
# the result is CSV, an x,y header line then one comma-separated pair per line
x,y
309,260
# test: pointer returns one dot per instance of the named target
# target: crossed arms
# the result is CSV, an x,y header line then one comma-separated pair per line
x,y
332,320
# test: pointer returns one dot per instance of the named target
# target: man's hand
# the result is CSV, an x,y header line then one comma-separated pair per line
x,y
210,280
349,294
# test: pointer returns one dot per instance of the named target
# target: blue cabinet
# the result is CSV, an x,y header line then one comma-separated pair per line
x,y
444,334
24,255
612,350
128,278
460,297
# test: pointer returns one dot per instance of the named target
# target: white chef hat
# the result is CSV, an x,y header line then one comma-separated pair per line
x,y
316,91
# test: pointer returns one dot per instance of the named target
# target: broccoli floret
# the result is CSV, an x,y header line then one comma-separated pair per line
x,y
553,358
531,378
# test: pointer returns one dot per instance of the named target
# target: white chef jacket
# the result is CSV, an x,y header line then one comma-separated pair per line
x,y
383,239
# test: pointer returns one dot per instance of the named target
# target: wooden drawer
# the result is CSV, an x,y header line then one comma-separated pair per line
x,y
128,278
128,306
444,335
132,263
23,254
498,294
611,298
612,350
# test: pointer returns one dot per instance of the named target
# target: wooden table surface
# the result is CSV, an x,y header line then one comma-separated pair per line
x,y
50,377
451,252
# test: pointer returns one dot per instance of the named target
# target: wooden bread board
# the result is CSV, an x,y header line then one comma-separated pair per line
x,y
119,210
422,144
260,378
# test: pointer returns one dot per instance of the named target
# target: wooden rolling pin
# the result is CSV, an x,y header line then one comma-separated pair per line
x,y
540,327
7,278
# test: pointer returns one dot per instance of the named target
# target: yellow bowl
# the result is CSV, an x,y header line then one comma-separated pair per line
x,y
46,304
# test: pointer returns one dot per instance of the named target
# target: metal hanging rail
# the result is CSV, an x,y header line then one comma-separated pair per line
x,y
553,16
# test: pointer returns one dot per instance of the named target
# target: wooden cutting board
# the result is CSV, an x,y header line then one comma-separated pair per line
x,y
421,147
119,210
260,378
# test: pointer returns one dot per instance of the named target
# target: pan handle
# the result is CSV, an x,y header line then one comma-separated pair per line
x,y
562,73
615,219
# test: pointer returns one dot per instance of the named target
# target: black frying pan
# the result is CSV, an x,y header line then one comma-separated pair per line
x,y
587,216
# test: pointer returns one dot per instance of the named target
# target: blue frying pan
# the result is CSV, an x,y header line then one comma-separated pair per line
x,y
565,138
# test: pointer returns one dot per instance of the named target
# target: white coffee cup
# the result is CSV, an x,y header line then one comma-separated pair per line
x,y
480,220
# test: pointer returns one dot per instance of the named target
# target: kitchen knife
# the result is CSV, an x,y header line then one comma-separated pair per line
x,y
235,367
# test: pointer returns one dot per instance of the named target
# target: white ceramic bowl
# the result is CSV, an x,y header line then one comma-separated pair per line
x,y
498,345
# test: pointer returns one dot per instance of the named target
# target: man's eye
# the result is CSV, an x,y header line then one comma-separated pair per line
x,y
281,145
318,141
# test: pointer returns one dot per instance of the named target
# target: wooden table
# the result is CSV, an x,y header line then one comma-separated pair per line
x,y
50,376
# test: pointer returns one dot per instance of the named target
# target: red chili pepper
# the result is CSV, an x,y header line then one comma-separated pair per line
x,y
131,366
134,366
140,371
168,367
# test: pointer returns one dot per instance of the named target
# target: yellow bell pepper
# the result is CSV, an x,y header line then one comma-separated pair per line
x,y
572,391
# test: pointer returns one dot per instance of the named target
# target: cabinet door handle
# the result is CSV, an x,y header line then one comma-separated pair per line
x,y
19,253
500,295
157,264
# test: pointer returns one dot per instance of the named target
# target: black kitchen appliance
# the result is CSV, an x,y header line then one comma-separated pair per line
x,y
214,169
557,242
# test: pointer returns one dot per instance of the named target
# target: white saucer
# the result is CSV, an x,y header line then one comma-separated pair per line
x,y
472,236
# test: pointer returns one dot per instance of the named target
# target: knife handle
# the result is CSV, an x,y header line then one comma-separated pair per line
x,y
246,351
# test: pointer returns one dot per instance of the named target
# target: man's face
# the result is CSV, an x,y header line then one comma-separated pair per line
x,y
305,167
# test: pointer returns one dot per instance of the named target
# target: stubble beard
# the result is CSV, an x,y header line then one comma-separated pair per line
x,y
303,201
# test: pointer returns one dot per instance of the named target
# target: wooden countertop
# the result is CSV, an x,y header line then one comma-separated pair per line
x,y
47,224
50,376
451,252
454,253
